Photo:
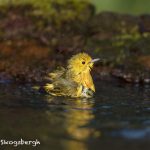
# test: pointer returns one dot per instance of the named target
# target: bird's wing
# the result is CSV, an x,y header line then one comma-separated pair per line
x,y
56,74
63,87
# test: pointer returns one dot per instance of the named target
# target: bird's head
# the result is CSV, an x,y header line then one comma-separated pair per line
x,y
81,62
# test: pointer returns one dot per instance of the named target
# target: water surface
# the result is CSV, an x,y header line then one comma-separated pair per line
x,y
118,117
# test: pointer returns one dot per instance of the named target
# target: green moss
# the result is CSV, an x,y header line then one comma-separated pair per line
x,y
57,10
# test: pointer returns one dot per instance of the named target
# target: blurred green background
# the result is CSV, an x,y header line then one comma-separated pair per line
x,y
123,6
135,7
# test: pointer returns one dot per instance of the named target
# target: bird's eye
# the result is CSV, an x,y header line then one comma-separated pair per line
x,y
83,62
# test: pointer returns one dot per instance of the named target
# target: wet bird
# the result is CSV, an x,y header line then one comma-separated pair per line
x,y
75,80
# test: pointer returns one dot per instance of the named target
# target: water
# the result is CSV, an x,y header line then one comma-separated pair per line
x,y
118,117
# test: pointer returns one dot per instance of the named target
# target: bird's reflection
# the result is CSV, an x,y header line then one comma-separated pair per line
x,y
78,115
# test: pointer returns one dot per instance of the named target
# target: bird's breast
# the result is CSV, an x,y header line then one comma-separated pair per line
x,y
87,81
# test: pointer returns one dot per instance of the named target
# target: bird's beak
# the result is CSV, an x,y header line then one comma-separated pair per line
x,y
94,60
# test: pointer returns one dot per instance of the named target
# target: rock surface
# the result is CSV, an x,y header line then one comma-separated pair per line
x,y
33,44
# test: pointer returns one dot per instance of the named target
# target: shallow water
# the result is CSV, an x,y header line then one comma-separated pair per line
x,y
118,117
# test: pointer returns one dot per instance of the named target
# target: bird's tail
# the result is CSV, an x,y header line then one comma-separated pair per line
x,y
43,89
48,87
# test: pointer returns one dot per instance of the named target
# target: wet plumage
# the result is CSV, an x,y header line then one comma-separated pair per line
x,y
75,80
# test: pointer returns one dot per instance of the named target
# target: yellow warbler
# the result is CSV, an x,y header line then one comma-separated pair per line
x,y
75,80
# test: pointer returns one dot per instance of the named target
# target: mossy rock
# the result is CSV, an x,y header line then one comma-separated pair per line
x,y
59,11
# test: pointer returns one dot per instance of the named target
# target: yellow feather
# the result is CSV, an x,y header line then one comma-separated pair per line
x,y
74,79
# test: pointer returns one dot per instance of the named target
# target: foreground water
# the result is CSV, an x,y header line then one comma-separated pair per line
x,y
118,117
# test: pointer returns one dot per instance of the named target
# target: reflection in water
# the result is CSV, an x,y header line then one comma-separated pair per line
x,y
79,117
76,119
134,133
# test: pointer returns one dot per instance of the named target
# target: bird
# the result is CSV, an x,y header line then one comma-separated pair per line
x,y
75,80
